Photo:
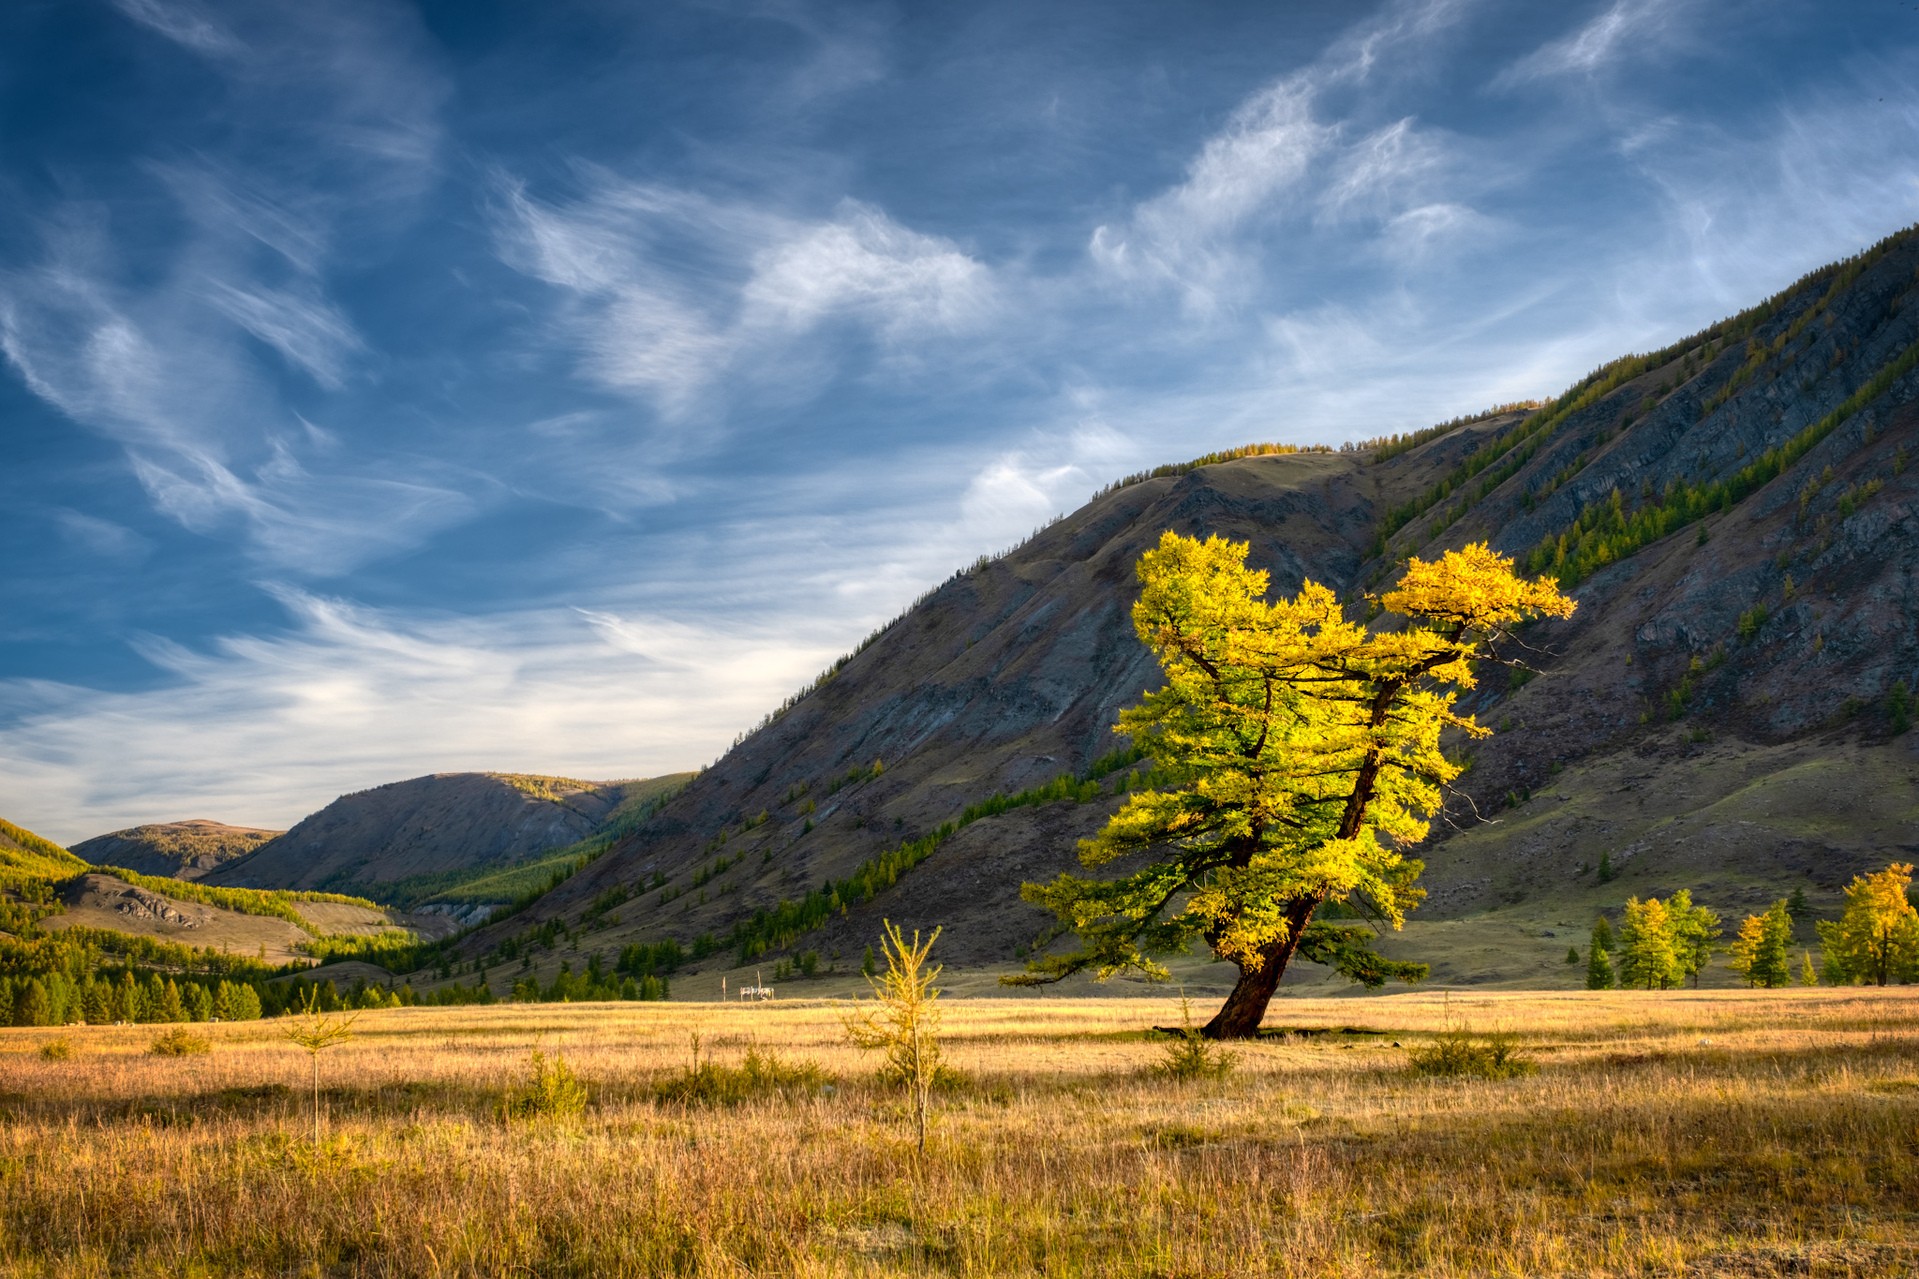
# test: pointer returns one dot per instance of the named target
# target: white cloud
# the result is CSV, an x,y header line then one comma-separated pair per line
x,y
184,23
1181,236
308,330
1420,232
1278,154
1625,28
262,730
665,291
333,115
163,376
865,265
237,208
1376,176
104,538
321,524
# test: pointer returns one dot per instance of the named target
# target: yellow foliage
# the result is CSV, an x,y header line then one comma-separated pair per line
x,y
1302,748
1877,938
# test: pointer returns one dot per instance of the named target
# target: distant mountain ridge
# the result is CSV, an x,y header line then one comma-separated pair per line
x,y
183,850
405,841
1737,513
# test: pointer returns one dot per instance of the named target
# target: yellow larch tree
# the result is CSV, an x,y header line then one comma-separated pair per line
x,y
1296,755
1876,940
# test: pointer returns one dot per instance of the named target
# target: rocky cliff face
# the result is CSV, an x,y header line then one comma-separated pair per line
x,y
183,850
1737,513
369,842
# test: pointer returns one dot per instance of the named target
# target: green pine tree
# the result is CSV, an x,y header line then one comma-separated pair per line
x,y
97,1004
31,1006
1598,964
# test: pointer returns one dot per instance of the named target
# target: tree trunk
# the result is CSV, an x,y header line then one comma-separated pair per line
x,y
1239,1017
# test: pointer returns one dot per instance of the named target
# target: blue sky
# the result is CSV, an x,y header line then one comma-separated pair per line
x,y
392,388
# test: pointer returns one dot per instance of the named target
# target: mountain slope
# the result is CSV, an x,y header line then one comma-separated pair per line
x,y
406,841
1736,514
27,856
184,850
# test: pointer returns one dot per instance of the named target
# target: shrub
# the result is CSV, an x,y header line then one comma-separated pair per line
x,y
550,1091
1189,1055
56,1050
1457,1052
178,1042
759,1075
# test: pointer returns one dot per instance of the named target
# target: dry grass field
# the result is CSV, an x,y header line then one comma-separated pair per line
x,y
1716,1133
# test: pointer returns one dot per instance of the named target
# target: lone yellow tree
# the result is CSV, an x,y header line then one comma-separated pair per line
x,y
905,1023
1297,755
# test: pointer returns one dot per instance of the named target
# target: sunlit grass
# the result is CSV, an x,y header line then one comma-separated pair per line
x,y
1711,1133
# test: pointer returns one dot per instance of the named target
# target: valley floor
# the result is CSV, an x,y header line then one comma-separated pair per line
x,y
1720,1133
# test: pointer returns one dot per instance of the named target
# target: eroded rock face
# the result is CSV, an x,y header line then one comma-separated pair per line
x,y
465,916
141,904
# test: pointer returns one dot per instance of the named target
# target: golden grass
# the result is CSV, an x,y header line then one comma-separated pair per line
x,y
1713,1133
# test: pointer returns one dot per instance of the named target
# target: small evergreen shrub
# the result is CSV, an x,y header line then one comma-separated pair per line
x,y
56,1050
178,1042
1188,1056
550,1091
1457,1052
759,1075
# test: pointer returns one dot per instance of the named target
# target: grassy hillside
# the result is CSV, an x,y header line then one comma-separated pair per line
x,y
276,904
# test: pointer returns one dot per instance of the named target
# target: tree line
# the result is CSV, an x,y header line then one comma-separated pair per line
x,y
1660,945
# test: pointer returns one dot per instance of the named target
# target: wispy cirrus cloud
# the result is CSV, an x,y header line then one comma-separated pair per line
x,y
162,373
163,353
101,537
1286,152
1623,30
184,23
667,290
306,328
347,697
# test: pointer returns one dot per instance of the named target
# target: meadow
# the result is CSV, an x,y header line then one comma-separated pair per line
x,y
1734,1133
